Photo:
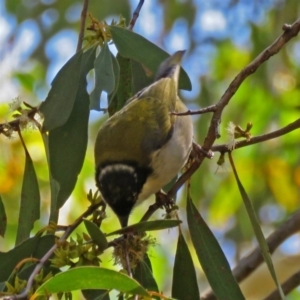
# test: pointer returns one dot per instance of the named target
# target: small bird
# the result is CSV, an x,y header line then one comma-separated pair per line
x,y
143,146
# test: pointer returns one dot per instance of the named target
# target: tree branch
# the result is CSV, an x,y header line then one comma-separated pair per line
x,y
260,138
136,14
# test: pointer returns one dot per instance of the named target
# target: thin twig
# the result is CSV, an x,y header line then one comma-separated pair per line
x,y
135,15
260,138
250,263
46,257
82,24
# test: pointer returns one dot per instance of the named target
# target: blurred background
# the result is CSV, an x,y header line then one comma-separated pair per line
x,y
221,37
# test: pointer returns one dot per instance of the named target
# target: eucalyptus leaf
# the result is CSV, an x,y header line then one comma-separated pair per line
x,y
67,143
96,234
104,76
184,274
30,201
134,46
33,247
124,91
258,232
211,257
140,79
3,218
90,278
143,274
147,226
59,103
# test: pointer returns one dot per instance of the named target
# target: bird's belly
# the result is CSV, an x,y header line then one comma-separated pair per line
x,y
169,160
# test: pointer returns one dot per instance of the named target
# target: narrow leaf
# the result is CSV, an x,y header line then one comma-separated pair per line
x,y
143,274
28,248
257,230
184,274
59,103
140,79
30,201
124,91
67,143
3,218
211,257
90,278
104,77
134,46
147,226
96,234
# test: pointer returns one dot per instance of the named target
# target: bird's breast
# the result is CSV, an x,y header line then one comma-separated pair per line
x,y
169,160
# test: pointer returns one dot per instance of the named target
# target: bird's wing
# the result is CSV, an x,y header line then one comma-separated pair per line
x,y
141,127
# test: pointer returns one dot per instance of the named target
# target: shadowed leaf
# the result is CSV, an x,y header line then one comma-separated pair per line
x,y
184,274
124,91
33,247
96,234
104,77
147,226
59,103
67,143
3,218
143,274
211,257
134,46
30,201
257,230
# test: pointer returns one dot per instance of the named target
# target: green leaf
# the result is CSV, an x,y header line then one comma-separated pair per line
x,y
90,278
143,274
257,230
33,247
134,46
211,257
3,218
139,77
30,201
104,76
67,143
184,273
96,234
124,91
59,103
147,226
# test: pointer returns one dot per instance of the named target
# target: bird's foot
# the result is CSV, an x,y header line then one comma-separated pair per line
x,y
198,150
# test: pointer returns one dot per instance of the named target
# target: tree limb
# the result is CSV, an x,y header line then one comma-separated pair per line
x,y
136,14
260,138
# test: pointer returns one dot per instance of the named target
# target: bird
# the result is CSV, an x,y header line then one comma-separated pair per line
x,y
143,146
